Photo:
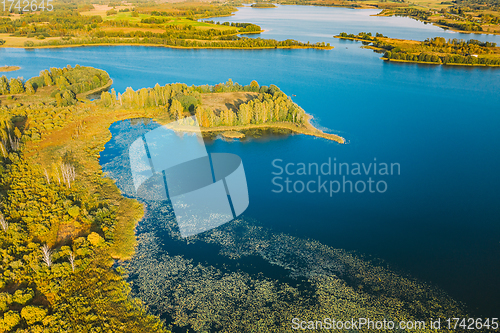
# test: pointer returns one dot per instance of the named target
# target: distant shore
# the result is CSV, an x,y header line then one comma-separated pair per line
x,y
170,46
388,44
437,63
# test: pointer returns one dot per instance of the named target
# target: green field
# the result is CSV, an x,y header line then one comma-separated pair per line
x,y
170,20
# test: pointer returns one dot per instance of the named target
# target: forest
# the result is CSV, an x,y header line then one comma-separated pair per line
x,y
57,229
66,83
436,50
231,42
493,4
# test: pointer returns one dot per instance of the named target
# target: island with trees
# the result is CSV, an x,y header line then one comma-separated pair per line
x,y
436,50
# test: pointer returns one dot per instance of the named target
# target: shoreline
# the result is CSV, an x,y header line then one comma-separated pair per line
x,y
442,26
84,95
364,6
307,129
312,131
169,46
382,50
437,63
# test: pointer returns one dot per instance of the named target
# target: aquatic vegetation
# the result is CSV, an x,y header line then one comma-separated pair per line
x,y
241,277
208,295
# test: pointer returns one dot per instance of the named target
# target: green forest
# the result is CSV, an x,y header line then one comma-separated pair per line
x,y
57,217
175,101
436,50
66,83
233,42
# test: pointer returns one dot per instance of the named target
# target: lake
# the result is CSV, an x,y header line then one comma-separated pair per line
x,y
437,220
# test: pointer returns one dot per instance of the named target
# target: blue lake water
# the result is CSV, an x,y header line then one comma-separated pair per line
x,y
438,220
308,23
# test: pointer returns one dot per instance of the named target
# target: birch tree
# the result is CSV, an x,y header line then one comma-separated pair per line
x,y
47,255
68,173
3,223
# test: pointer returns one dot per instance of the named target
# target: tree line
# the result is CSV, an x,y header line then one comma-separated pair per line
x,y
456,51
233,42
438,59
171,31
177,100
362,35
192,11
69,82
465,26
245,26
440,41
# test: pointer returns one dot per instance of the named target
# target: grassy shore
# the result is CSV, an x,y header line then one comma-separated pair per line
x,y
233,135
85,136
308,129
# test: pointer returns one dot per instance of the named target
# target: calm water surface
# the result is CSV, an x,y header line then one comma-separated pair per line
x,y
438,220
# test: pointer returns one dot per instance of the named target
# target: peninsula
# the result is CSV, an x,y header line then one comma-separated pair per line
x,y
438,50
227,108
